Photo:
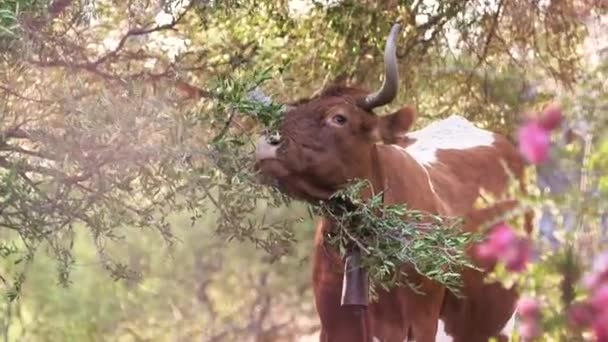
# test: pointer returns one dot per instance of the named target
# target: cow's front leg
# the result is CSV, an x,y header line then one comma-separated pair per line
x,y
424,325
422,310
338,323
404,315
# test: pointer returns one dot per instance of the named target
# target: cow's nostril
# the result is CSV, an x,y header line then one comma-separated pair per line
x,y
274,139
266,148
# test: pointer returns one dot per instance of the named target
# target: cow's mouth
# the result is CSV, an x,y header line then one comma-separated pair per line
x,y
266,149
267,162
275,172
271,172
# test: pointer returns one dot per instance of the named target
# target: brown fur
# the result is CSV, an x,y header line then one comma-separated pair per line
x,y
317,156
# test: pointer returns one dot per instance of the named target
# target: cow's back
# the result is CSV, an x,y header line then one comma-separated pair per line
x,y
464,161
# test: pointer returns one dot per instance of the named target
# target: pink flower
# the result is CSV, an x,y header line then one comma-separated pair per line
x,y
580,314
600,327
503,244
534,142
591,281
529,329
551,117
528,307
593,312
498,241
529,311
599,301
600,264
534,136
517,256
599,272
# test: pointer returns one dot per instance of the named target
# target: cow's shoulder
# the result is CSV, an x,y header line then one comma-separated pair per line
x,y
453,133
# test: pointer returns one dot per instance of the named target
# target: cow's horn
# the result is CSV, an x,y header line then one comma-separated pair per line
x,y
388,91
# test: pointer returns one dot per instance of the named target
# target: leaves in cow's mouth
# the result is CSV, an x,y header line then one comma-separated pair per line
x,y
390,236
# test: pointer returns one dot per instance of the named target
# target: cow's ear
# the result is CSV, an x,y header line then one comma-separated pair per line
x,y
395,125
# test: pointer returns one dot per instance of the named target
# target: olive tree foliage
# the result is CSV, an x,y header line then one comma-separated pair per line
x,y
116,114
93,134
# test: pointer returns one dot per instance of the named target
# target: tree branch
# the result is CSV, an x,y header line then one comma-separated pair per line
x,y
22,97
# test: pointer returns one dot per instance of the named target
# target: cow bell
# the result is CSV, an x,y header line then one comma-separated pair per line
x,y
355,284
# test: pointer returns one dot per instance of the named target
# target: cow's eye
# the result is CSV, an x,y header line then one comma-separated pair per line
x,y
339,119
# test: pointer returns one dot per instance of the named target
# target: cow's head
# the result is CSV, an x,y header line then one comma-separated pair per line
x,y
328,140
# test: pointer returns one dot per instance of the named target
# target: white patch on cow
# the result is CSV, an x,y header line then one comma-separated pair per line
x,y
428,176
509,327
442,335
426,172
455,132
375,339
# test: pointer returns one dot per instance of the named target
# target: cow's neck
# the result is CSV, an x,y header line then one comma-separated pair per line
x,y
400,179
374,173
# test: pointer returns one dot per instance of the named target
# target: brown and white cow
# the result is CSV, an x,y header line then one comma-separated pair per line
x,y
335,137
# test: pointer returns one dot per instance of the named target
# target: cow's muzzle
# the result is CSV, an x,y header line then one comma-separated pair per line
x,y
266,149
